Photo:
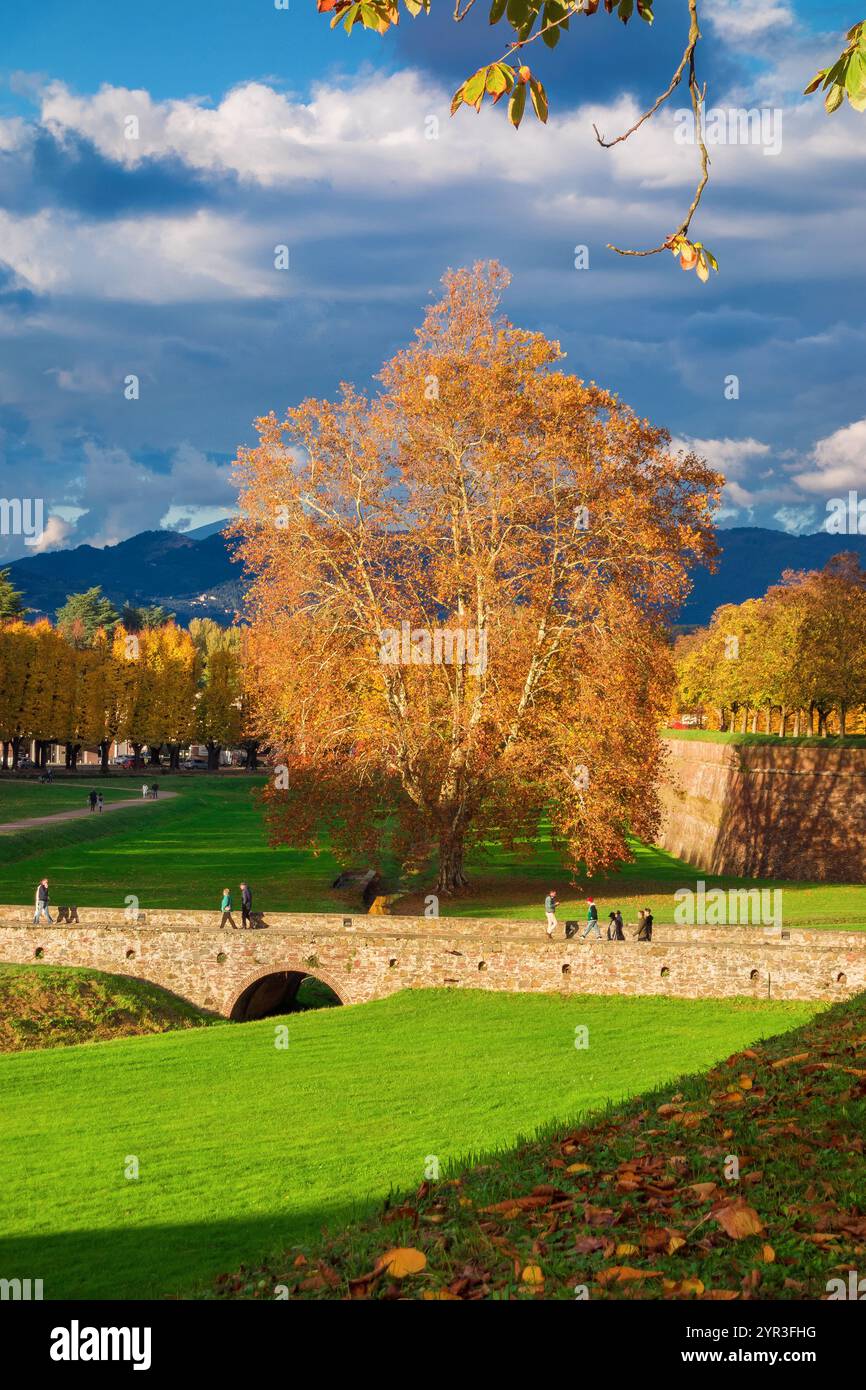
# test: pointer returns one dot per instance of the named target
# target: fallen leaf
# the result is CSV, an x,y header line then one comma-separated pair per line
x,y
737,1219
532,1274
624,1274
786,1061
401,1261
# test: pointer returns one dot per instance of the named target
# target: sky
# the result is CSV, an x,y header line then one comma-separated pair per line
x,y
152,157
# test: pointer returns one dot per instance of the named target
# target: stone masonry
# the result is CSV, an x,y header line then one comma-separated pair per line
x,y
766,810
363,958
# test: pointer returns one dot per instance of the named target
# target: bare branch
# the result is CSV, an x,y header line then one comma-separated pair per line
x,y
697,96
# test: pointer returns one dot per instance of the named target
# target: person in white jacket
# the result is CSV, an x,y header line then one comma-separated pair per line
x,y
42,902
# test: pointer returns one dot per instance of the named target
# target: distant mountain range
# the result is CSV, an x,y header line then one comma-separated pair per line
x,y
752,558
192,574
189,573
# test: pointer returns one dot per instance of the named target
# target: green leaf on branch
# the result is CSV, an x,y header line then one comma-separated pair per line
x,y
845,77
473,93
517,105
497,10
519,11
500,79
539,99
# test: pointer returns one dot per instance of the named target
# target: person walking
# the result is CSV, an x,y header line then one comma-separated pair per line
x,y
550,913
41,909
611,926
226,909
92,800
100,802
619,934
592,919
144,790
246,905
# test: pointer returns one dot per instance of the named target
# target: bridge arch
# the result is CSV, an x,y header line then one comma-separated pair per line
x,y
273,990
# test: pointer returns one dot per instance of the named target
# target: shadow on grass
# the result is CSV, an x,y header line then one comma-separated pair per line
x,y
154,1262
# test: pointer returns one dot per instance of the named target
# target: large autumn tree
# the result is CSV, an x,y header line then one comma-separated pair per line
x,y
487,494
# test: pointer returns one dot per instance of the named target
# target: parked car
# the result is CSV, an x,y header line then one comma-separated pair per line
x,y
123,762
196,764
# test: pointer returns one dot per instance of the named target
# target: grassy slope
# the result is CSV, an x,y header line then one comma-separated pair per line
x,y
213,834
51,1006
245,1148
642,1202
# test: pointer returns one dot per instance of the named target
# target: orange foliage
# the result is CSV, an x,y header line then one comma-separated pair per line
x,y
485,492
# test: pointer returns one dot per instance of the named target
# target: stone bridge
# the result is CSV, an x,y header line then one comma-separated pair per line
x,y
253,973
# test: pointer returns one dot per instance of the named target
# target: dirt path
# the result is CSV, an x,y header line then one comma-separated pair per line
x,y
86,813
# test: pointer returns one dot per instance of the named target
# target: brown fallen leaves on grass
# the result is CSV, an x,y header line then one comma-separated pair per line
x,y
642,1202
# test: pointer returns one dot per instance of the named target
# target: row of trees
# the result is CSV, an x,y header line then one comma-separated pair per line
x,y
792,662
86,683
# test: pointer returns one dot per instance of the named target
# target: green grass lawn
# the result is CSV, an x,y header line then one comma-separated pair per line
x,y
181,853
244,1148
804,741
22,800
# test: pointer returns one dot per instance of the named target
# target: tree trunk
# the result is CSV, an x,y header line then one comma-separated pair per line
x,y
754,721
104,748
796,733
451,875
174,756
136,756
213,756
252,748
744,719
843,711
153,754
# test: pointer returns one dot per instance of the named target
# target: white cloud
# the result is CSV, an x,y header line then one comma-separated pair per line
x,y
797,521
738,20
367,140
159,259
838,461
121,497
729,456
54,536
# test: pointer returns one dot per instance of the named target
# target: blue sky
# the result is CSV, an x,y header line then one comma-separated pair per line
x,y
260,127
